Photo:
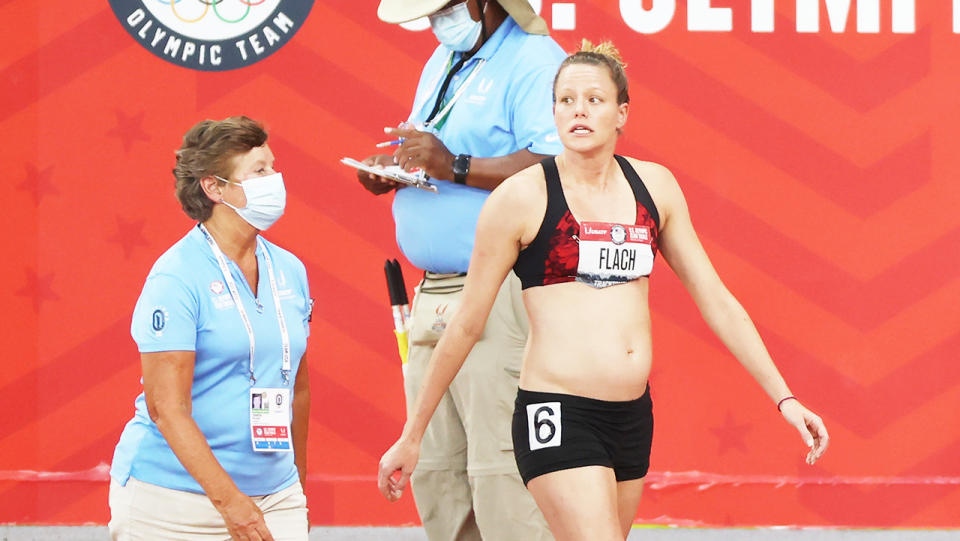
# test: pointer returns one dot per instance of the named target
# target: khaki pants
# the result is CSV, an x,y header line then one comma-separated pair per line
x,y
466,484
142,511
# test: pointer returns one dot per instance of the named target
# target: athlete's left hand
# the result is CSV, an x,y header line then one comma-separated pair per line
x,y
810,426
396,466
422,150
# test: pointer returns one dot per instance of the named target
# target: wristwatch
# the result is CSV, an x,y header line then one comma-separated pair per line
x,y
461,166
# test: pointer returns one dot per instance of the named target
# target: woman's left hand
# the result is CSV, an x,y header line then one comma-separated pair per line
x,y
810,426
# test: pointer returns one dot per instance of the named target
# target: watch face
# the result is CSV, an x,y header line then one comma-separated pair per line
x,y
461,165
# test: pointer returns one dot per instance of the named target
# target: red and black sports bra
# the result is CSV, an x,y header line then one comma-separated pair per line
x,y
599,254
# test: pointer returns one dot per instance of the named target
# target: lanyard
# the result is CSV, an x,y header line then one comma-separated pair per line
x,y
436,121
235,295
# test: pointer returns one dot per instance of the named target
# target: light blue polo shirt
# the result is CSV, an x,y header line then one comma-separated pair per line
x,y
186,306
508,106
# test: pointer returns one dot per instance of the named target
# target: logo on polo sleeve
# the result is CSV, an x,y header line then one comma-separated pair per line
x,y
158,320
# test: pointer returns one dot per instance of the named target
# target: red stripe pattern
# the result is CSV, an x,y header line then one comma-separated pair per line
x,y
820,170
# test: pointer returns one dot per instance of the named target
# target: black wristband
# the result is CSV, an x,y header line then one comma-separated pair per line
x,y
461,167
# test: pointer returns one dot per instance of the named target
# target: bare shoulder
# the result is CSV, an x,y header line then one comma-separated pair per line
x,y
523,186
660,182
520,201
520,193
653,174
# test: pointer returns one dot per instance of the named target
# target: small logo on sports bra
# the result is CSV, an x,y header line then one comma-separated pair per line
x,y
618,234
640,233
589,229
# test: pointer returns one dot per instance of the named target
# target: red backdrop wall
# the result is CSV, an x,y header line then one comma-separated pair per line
x,y
820,167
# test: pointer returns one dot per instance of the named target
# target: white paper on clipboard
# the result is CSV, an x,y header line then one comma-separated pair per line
x,y
394,172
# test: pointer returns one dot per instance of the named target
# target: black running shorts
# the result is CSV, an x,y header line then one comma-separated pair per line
x,y
553,431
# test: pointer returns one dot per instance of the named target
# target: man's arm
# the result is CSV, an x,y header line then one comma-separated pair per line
x,y
425,151
488,173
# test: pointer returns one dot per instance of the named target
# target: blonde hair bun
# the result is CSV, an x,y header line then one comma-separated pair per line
x,y
605,48
604,54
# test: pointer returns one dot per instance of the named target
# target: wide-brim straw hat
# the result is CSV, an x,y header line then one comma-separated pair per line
x,y
401,11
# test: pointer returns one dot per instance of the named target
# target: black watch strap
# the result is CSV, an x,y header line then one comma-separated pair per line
x,y
461,167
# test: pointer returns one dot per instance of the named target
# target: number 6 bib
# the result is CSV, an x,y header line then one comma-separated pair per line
x,y
543,423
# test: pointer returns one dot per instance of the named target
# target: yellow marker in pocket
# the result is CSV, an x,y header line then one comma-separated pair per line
x,y
399,305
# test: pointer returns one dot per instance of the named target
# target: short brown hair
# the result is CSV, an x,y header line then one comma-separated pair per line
x,y
207,150
603,54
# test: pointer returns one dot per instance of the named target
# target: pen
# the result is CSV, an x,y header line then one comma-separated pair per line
x,y
390,143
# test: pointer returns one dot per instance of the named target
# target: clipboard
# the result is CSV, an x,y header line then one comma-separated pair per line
x,y
394,172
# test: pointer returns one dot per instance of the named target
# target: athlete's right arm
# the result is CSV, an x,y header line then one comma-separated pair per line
x,y
501,228
167,384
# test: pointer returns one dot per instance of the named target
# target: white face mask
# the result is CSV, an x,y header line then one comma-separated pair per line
x,y
266,199
454,27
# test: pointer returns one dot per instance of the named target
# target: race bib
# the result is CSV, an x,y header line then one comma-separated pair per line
x,y
270,419
612,254
544,425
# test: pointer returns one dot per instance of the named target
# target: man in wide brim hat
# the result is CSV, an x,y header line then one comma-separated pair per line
x,y
401,11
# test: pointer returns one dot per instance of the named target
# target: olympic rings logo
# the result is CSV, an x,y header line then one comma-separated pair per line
x,y
211,35
207,4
